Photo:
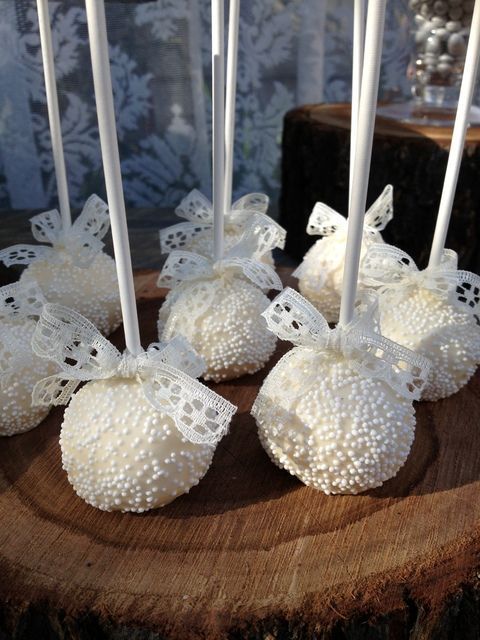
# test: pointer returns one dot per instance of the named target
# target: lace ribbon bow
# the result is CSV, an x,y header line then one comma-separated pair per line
x,y
391,268
82,241
291,317
198,211
325,221
260,237
18,301
165,371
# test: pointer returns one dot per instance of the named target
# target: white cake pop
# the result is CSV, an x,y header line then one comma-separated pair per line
x,y
20,368
196,236
218,306
320,275
73,271
433,312
143,431
336,411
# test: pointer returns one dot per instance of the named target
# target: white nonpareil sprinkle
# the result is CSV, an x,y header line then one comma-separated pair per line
x,y
230,334
92,291
341,432
121,454
435,328
18,415
322,272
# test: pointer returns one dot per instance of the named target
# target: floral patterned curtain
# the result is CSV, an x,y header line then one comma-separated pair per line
x,y
291,52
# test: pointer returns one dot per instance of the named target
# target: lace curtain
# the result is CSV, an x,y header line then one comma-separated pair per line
x,y
291,52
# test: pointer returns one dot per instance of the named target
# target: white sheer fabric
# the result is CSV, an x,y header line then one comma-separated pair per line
x,y
291,52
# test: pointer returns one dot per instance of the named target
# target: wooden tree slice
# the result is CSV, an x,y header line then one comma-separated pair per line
x,y
250,552
411,157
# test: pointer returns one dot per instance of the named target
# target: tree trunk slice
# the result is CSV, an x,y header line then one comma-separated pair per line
x,y
315,166
250,552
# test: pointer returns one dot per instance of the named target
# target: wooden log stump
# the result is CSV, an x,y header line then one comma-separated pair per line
x,y
315,165
250,552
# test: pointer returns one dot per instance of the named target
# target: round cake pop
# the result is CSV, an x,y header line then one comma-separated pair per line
x,y
195,235
320,275
433,312
218,306
121,453
73,271
21,368
336,411
143,431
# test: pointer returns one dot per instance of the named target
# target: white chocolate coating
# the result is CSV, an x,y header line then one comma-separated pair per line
x,y
322,273
92,291
433,327
203,243
230,334
121,454
342,433
17,414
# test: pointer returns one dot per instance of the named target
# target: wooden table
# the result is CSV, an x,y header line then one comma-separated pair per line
x,y
250,552
412,157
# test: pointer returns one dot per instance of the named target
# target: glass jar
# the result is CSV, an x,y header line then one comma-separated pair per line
x,y
441,30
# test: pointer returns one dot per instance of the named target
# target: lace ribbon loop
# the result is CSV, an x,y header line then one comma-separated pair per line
x,y
82,241
391,268
293,318
325,221
259,237
163,370
18,301
197,210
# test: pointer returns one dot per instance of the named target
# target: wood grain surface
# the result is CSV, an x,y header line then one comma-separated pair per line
x,y
338,116
250,552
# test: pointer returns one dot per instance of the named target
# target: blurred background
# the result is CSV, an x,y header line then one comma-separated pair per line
x,y
292,52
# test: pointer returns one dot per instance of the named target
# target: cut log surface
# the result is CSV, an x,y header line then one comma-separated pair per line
x,y
250,552
411,157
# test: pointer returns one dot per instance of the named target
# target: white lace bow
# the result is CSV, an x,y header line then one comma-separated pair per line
x,y
391,269
166,372
82,241
260,236
198,211
21,300
325,221
291,317
18,301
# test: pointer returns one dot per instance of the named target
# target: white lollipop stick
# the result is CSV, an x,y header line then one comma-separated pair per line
x,y
218,128
363,154
458,140
97,31
53,112
231,93
359,10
